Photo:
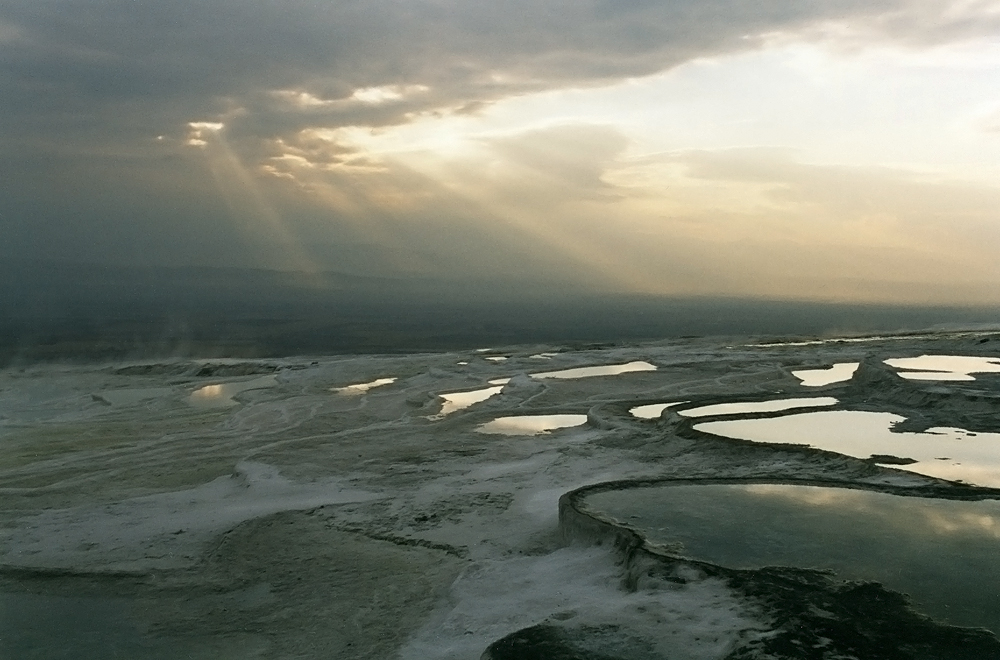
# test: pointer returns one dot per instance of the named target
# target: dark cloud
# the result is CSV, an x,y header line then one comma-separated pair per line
x,y
182,60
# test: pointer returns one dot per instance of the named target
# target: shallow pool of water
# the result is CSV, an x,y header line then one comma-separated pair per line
x,y
74,628
531,424
749,407
944,367
948,453
361,388
602,370
838,373
940,552
653,410
455,401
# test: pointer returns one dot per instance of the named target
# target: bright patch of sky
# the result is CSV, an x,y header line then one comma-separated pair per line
x,y
799,170
936,110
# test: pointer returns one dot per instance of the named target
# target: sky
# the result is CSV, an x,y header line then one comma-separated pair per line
x,y
820,150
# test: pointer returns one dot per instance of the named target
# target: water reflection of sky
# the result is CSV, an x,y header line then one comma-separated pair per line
x,y
947,453
531,424
78,627
653,410
749,407
361,388
455,401
835,374
602,370
944,367
941,552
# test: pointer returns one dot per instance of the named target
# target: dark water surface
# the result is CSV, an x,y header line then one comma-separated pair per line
x,y
73,627
943,553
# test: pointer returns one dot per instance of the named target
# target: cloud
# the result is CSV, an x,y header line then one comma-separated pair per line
x,y
110,112
300,63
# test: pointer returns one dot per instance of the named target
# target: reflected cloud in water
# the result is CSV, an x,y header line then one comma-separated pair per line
x,y
944,367
940,552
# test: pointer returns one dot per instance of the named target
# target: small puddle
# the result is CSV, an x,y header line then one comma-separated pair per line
x,y
221,395
946,453
944,367
653,410
940,552
455,401
361,388
750,407
838,373
603,370
531,424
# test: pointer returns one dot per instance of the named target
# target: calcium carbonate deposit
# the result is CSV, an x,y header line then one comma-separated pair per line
x,y
441,506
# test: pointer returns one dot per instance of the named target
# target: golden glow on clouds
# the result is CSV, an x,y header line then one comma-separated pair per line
x,y
386,93
370,96
796,171
301,99
201,131
249,208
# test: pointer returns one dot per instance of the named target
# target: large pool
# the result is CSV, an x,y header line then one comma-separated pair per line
x,y
943,553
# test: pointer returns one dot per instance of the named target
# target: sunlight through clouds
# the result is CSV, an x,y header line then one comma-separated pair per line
x,y
820,182
841,150
250,211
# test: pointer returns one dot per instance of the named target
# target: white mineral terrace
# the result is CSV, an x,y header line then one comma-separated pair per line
x,y
407,506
